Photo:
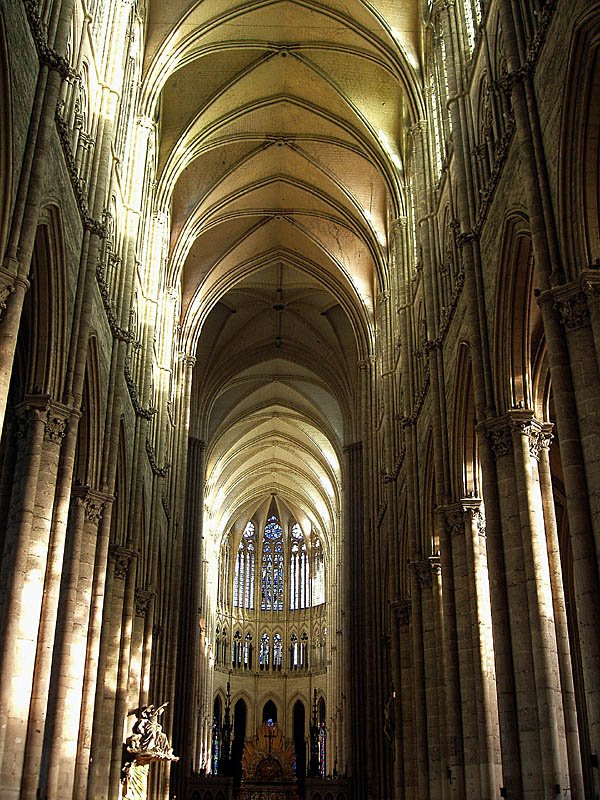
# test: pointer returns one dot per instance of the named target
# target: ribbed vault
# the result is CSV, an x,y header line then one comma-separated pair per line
x,y
280,169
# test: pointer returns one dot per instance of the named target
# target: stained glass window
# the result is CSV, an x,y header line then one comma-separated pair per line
x,y
224,644
277,651
299,570
472,21
248,651
303,659
294,651
317,572
223,590
236,650
245,566
265,646
272,567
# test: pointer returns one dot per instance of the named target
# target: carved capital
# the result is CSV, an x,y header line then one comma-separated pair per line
x,y
474,515
500,439
455,520
501,432
92,503
546,436
403,611
590,284
25,416
55,427
573,310
39,407
142,601
425,570
525,424
5,293
121,558
466,511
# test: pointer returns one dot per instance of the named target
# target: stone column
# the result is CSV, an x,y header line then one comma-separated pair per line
x,y
97,557
481,735
68,668
355,599
560,616
144,612
578,303
515,440
103,728
43,426
188,666
126,570
428,572
422,701
406,773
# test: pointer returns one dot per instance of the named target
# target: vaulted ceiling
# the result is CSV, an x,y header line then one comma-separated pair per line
x,y
282,134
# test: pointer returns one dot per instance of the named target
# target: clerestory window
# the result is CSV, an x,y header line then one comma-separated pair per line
x,y
245,567
272,566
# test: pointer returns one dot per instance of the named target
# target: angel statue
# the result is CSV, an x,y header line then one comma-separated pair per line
x,y
148,742
148,735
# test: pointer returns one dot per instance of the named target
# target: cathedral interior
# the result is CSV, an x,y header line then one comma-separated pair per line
x,y
299,399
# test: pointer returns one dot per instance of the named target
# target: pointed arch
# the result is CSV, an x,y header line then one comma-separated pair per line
x,y
518,318
579,159
6,144
87,454
465,463
45,308
429,536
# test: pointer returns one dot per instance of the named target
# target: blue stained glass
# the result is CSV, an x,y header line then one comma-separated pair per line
x,y
273,529
272,566
243,585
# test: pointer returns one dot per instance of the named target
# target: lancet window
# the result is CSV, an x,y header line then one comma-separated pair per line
x,y
245,567
318,572
299,570
472,9
223,593
248,651
272,567
265,646
236,650
277,651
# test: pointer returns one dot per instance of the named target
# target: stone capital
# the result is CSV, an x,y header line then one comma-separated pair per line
x,y
501,432
403,609
571,302
93,503
142,601
425,569
499,435
5,293
121,558
590,284
55,417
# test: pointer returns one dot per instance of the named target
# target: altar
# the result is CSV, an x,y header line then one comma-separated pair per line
x,y
268,767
